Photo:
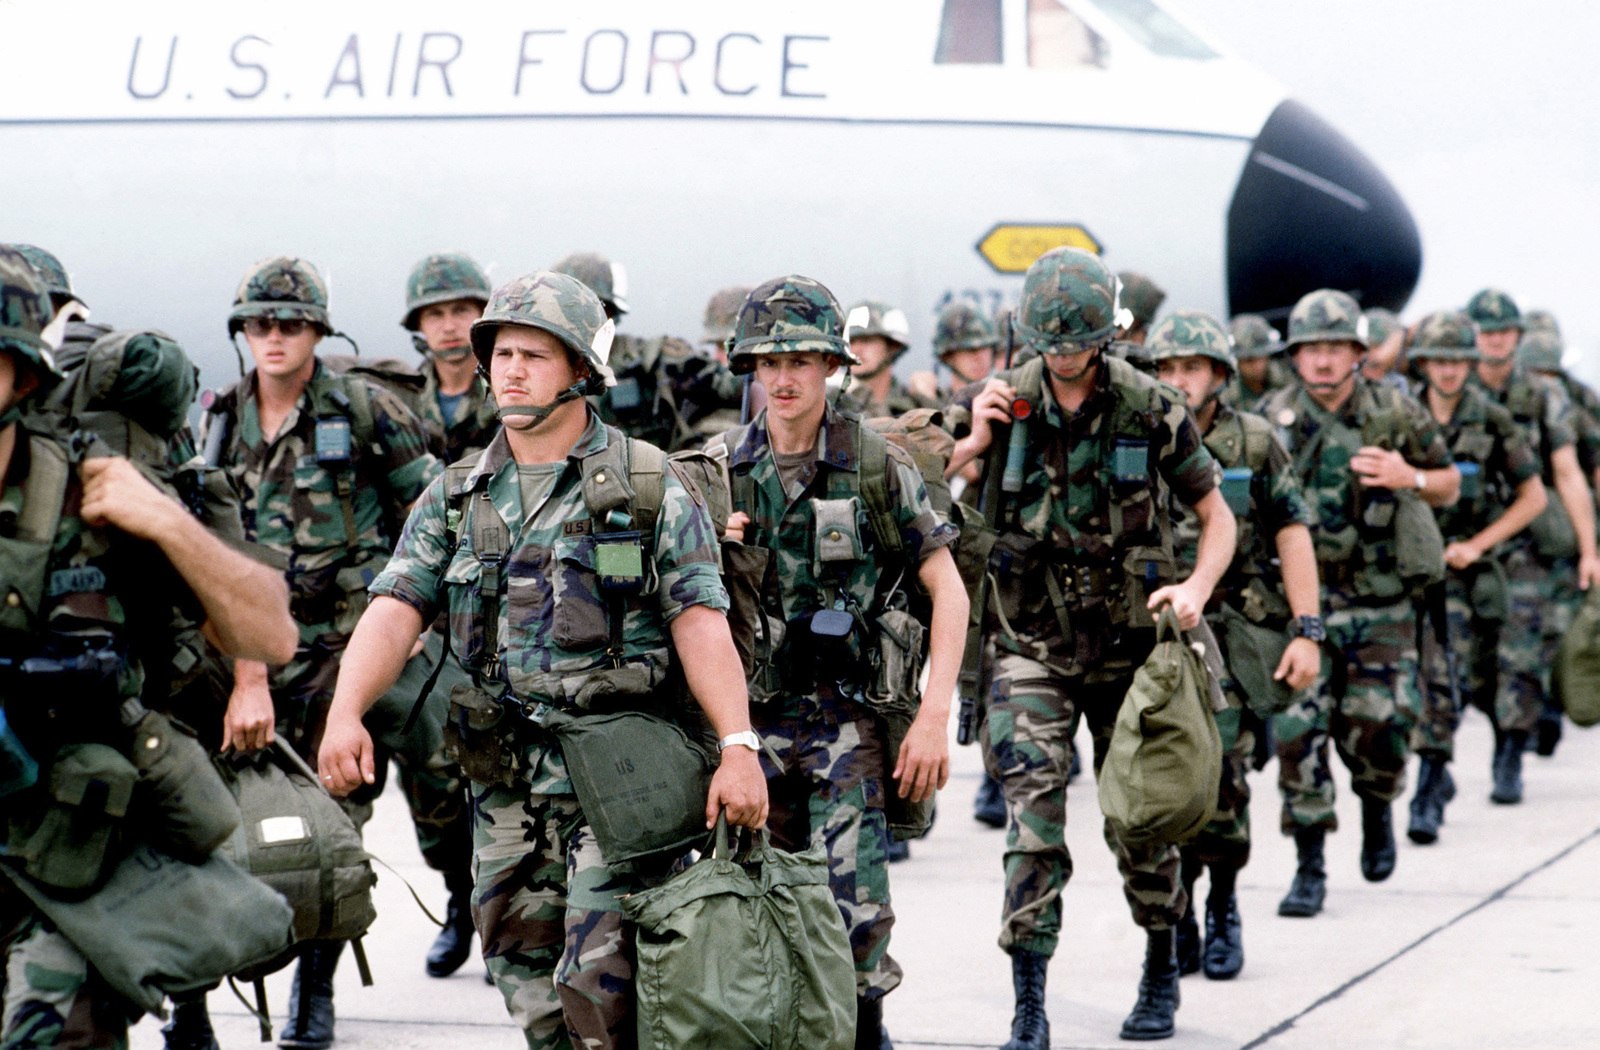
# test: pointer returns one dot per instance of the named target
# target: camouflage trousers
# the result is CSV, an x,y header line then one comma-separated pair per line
x,y
1027,747
547,911
1366,699
1544,596
49,997
829,790
1475,639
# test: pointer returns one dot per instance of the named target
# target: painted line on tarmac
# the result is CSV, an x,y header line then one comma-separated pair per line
x,y
1285,1025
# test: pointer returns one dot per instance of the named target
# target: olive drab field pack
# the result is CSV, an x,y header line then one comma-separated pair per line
x,y
744,949
1158,782
1577,670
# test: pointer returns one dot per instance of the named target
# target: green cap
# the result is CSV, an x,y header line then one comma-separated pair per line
x,y
605,278
1069,303
1253,337
1140,295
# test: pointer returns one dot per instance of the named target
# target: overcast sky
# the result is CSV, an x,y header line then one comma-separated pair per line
x,y
1485,116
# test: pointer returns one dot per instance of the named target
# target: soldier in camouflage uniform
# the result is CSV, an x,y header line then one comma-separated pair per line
x,y
1359,448
722,309
664,386
1256,346
1553,561
1107,451
118,569
966,343
533,630
879,335
1500,494
445,293
1141,298
326,466
1192,353
804,518
1386,342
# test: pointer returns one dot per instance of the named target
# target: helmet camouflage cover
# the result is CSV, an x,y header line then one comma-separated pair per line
x,y
1253,337
871,317
788,315
1540,350
1069,303
556,303
1326,316
1494,311
722,310
25,310
605,278
962,326
285,288
1142,296
1541,321
1381,324
1191,333
52,275
443,278
1445,335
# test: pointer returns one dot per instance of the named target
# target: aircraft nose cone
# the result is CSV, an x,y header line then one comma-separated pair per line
x,y
1311,211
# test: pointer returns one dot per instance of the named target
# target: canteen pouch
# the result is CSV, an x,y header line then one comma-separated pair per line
x,y
183,806
91,787
1418,543
1553,536
18,770
837,540
641,782
900,642
1491,591
483,738
1254,652
1145,570
1236,489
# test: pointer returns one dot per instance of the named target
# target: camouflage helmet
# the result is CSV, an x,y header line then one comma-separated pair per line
x,y
1541,321
1253,337
871,317
605,278
1541,350
1141,296
722,310
52,275
1069,303
443,278
25,311
1191,333
1445,335
1326,316
284,288
1494,311
788,315
557,303
962,326
1381,324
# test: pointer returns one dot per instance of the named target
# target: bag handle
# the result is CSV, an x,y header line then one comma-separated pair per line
x,y
1167,628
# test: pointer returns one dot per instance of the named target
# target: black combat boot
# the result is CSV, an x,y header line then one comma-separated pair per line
x,y
1549,730
310,1023
1310,883
1427,805
1224,956
1158,990
1507,767
1377,840
190,1027
989,807
1030,1026
1186,935
454,943
870,1033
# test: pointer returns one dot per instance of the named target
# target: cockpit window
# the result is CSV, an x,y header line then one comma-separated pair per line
x,y
1059,39
1154,28
969,32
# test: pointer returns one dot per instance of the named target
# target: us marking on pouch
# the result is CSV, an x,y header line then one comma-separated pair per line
x,y
85,578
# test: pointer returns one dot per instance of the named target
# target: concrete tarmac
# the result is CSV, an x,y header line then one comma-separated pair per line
x,y
1488,938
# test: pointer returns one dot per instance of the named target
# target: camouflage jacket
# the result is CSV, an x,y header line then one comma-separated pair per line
x,y
1091,531
336,521
664,388
1587,405
474,425
1237,395
1352,525
900,400
821,550
1482,433
552,628
1541,408
1263,491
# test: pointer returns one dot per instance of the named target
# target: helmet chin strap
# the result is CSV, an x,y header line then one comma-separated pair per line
x,y
1335,384
449,355
1093,358
540,413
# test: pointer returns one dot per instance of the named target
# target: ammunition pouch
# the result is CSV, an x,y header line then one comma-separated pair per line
x,y
485,738
336,594
756,635
1145,570
68,849
183,806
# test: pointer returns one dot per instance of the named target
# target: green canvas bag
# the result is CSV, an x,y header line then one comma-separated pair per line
x,y
1254,652
744,951
1577,669
1159,781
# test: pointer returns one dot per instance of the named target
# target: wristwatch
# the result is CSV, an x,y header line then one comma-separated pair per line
x,y
1422,481
748,738
1310,627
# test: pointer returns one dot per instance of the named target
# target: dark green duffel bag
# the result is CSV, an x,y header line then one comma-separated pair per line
x,y
1577,670
1253,654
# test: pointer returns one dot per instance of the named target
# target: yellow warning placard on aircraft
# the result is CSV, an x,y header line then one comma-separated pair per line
x,y
1011,247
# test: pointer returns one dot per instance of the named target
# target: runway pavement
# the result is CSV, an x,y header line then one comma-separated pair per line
x,y
1489,938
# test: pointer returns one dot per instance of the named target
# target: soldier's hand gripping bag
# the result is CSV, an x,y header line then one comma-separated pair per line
x,y
742,951
640,780
1254,652
1159,781
1577,669
896,666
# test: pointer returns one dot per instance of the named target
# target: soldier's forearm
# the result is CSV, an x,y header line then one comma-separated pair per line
x,y
246,603
947,630
714,674
1219,534
1575,496
1297,557
1531,500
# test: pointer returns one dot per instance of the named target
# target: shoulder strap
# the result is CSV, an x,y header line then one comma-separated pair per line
x,y
362,425
872,472
645,466
45,490
1257,439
